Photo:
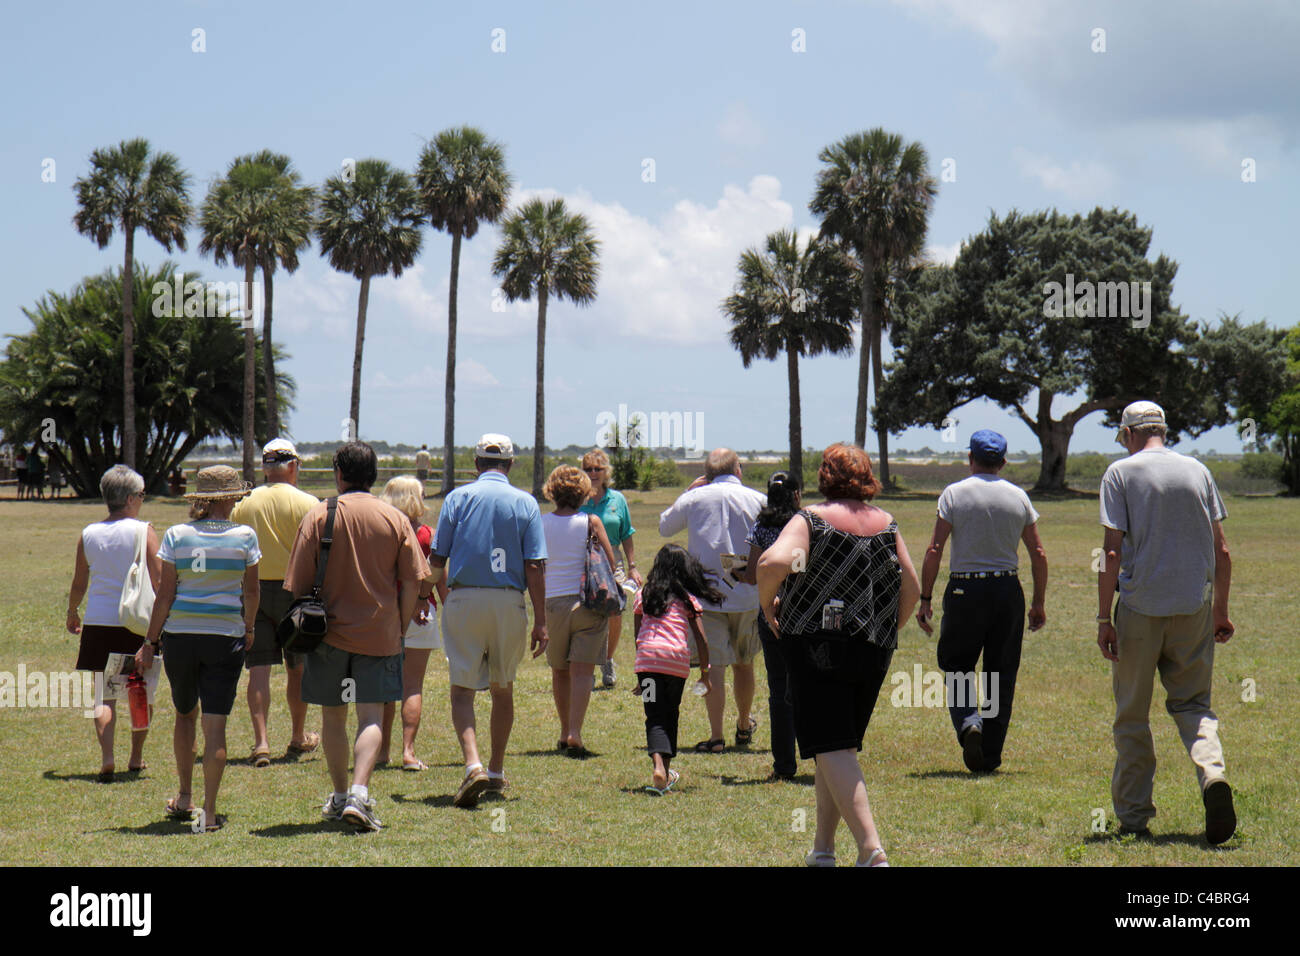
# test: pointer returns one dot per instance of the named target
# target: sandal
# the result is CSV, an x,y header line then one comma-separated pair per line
x,y
260,758
673,777
745,737
711,746
415,766
877,852
308,745
216,824
176,812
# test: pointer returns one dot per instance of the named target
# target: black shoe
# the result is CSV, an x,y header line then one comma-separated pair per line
x,y
972,749
1220,818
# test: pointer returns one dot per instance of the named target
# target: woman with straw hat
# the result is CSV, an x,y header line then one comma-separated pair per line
x,y
204,612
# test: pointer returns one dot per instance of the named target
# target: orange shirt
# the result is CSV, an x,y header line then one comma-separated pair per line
x,y
374,548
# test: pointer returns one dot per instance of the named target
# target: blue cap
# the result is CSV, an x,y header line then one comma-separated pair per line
x,y
988,447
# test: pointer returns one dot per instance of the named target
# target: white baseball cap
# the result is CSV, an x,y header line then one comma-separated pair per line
x,y
1139,413
279,449
493,446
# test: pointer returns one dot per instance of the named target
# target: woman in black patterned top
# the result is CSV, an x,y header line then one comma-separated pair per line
x,y
851,587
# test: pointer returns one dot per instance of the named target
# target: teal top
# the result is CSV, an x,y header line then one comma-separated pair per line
x,y
613,514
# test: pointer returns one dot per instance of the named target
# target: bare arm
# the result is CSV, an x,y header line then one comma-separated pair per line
x,y
911,588
632,571
1223,627
151,559
1107,578
252,597
930,572
80,581
750,574
162,606
1038,564
702,649
535,575
408,596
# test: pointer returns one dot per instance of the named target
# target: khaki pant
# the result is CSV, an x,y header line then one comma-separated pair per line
x,y
1181,648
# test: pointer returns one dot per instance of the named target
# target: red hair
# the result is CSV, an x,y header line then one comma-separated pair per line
x,y
846,473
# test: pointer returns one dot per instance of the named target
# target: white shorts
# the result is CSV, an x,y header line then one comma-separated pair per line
x,y
426,636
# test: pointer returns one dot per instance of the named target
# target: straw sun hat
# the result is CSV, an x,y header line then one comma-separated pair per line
x,y
219,481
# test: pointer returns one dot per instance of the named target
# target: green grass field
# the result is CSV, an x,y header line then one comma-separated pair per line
x,y
1039,809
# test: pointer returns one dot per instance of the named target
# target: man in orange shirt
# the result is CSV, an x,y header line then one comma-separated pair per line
x,y
374,575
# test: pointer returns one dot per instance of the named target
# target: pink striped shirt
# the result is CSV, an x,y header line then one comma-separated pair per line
x,y
662,644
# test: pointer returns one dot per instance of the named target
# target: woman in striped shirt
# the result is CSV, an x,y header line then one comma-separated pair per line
x,y
665,612
204,612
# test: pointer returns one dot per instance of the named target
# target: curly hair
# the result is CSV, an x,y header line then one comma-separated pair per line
x,y
596,458
567,486
846,473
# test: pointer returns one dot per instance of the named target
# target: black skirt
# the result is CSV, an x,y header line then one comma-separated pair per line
x,y
100,640
834,682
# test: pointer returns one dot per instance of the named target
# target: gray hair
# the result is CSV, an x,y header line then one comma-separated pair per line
x,y
1144,432
118,484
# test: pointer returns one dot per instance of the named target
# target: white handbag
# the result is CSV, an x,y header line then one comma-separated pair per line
x,y
136,606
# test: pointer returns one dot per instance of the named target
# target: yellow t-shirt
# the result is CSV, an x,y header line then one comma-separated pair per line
x,y
274,512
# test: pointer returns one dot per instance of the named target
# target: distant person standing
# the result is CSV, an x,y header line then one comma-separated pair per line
x,y
20,471
718,513
35,475
422,464
373,577
1164,546
490,540
984,604
611,507
274,511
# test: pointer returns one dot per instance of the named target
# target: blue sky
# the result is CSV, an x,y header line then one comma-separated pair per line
x,y
733,118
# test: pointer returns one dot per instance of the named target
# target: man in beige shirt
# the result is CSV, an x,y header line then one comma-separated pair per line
x,y
374,575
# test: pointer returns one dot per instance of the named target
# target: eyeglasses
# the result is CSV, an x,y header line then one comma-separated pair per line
x,y
594,469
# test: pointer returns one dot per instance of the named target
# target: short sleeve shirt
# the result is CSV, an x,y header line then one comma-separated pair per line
x,y
988,515
210,559
374,548
486,531
613,513
1166,505
274,511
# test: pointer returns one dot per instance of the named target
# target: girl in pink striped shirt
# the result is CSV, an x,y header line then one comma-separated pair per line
x,y
665,612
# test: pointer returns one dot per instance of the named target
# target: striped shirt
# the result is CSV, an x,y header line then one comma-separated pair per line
x,y
663,643
210,559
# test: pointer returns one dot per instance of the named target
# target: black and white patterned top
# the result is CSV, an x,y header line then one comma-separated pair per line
x,y
860,570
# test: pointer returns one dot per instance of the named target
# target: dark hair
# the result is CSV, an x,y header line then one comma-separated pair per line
x,y
357,464
780,508
846,473
677,574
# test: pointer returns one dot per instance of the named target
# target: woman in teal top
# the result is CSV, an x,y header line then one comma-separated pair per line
x,y
611,507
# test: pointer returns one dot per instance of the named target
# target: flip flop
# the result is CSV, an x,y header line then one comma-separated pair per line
x,y
711,746
216,824
261,758
175,812
673,777
415,767
308,745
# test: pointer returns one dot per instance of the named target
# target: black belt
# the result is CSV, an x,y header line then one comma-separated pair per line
x,y
968,575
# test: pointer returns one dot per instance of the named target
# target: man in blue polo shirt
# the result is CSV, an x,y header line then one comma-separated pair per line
x,y
490,540
984,605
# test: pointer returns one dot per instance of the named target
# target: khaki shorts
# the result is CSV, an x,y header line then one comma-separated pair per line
x,y
578,635
732,637
485,633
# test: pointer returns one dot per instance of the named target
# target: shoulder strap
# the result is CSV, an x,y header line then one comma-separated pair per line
x,y
327,538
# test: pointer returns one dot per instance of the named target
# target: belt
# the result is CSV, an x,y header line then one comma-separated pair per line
x,y
968,575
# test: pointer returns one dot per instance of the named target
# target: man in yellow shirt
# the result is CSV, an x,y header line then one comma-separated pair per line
x,y
274,511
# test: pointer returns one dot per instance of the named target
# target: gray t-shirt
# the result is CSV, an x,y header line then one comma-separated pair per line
x,y
1166,505
988,515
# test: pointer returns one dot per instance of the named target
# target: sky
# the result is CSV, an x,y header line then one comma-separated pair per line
x,y
1024,105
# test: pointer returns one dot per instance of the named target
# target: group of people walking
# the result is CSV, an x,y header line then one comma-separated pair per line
x,y
819,591
33,474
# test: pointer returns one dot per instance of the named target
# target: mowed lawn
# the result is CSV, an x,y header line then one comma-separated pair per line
x,y
1039,809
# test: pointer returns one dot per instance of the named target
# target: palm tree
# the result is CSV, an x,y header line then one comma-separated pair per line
x,y
547,250
463,182
127,188
287,227
799,303
874,194
368,226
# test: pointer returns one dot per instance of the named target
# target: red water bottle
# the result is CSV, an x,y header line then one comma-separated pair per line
x,y
138,697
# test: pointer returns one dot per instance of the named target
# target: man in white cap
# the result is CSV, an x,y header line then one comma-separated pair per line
x,y
274,511
1164,551
490,540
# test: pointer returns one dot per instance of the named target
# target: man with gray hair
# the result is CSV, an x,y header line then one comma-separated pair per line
x,y
717,511
1164,551
274,511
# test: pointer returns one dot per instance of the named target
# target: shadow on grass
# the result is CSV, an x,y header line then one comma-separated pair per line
x,y
803,779
156,828
439,799
121,776
1159,839
299,829
961,774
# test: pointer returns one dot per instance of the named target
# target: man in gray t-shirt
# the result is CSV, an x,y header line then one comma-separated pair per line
x,y
984,605
1166,555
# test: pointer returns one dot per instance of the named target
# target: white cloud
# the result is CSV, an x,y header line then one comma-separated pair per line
x,y
1083,181
937,252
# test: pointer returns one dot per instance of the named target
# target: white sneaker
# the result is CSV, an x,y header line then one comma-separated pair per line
x,y
333,809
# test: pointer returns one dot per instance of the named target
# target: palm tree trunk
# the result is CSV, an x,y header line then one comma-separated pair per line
x,y
882,432
796,415
539,425
449,403
354,407
250,373
128,348
864,347
268,361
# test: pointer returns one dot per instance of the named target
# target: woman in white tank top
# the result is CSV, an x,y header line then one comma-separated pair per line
x,y
578,635
105,552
